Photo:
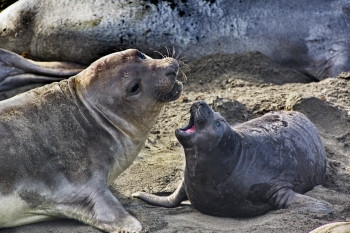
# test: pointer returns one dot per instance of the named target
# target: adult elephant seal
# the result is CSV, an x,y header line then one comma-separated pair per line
x,y
310,36
63,144
249,169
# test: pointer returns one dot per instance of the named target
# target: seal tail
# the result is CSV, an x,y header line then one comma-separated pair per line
x,y
16,71
170,201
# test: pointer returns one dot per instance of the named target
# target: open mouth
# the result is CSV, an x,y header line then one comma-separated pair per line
x,y
186,135
190,128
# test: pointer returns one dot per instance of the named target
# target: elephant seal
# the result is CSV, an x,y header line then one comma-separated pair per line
x,y
247,170
63,144
310,36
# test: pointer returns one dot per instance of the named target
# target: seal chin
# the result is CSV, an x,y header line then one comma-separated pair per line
x,y
173,94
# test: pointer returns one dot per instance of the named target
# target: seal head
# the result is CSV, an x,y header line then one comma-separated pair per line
x,y
203,121
133,84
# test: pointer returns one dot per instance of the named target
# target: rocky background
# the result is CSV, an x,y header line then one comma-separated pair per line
x,y
241,87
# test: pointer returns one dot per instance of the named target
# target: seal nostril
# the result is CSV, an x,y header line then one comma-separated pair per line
x,y
202,103
171,73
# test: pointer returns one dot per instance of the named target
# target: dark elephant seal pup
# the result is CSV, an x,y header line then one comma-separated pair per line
x,y
249,169
62,144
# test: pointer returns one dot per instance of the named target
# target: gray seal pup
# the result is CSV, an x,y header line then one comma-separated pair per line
x,y
250,169
62,144
310,36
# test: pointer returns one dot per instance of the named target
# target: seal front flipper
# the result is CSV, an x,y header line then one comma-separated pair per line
x,y
280,195
168,201
103,211
307,204
16,71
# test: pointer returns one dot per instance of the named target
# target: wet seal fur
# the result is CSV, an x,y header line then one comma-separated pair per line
x,y
249,169
63,144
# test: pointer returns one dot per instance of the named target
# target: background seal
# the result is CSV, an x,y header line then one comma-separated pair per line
x,y
309,36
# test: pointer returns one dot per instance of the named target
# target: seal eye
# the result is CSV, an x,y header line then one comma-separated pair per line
x,y
141,55
135,88
217,124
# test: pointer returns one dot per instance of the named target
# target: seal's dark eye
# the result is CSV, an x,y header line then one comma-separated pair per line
x,y
135,88
141,55
217,124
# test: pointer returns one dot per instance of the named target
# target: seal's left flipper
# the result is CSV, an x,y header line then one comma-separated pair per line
x,y
16,71
287,198
168,201
308,204
280,195
101,210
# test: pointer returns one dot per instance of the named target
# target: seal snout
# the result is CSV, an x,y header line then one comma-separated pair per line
x,y
200,113
170,86
171,66
173,69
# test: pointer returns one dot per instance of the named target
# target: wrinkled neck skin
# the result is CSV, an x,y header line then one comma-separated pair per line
x,y
129,134
213,164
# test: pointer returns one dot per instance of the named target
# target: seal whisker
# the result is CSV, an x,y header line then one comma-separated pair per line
x,y
167,50
177,57
185,67
156,51
118,49
183,74
183,62
173,54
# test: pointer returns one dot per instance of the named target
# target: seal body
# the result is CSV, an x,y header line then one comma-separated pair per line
x,y
247,170
62,144
310,36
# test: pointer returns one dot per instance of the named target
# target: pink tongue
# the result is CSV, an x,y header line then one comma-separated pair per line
x,y
191,130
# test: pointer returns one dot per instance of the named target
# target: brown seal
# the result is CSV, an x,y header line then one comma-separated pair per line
x,y
63,144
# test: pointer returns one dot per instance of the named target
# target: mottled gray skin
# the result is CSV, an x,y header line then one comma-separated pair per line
x,y
310,36
247,170
62,144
